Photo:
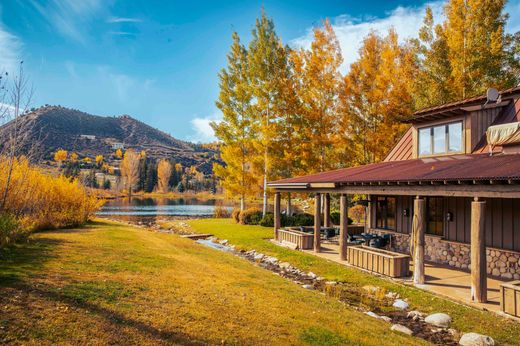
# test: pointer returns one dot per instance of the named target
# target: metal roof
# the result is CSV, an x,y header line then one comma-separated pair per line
x,y
474,167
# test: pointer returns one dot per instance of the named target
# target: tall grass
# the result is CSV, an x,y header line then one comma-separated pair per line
x,y
36,200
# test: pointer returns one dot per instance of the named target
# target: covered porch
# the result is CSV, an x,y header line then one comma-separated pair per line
x,y
479,181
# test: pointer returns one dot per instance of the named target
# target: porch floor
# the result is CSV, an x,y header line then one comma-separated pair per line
x,y
442,280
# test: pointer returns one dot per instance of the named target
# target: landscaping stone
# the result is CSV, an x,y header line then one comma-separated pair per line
x,y
223,242
373,314
438,320
386,318
331,283
258,257
284,265
308,287
311,275
401,329
475,339
400,304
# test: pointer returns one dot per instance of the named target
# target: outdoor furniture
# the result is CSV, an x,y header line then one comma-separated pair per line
x,y
301,240
379,261
510,298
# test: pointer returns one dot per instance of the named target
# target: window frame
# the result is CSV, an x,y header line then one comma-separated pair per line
x,y
440,200
446,151
384,217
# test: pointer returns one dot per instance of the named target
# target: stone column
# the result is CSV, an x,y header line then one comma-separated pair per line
x,y
420,228
478,252
343,226
277,216
326,211
317,222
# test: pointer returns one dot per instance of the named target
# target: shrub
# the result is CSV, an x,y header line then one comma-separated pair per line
x,y
221,212
9,229
300,220
268,220
235,215
334,217
250,216
42,201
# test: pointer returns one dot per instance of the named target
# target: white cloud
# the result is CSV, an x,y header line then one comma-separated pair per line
x,y
10,51
351,31
123,20
203,132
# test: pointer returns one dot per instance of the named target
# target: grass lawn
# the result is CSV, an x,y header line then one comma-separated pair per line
x,y
466,319
109,283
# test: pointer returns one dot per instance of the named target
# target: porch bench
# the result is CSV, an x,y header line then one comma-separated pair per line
x,y
379,261
510,298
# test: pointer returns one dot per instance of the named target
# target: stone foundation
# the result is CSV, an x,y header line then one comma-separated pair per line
x,y
500,263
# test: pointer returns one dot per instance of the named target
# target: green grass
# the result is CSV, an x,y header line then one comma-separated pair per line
x,y
109,283
466,319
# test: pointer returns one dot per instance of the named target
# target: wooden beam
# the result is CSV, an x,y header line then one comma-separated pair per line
x,y
343,226
317,222
326,211
277,217
478,252
420,227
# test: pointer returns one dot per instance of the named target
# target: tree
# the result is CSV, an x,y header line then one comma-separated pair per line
x,y
267,66
119,153
73,157
60,155
99,160
151,176
235,131
318,82
130,170
164,171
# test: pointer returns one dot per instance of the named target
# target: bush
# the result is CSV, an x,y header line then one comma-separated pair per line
x,y
235,215
334,217
221,212
250,216
268,220
299,220
9,229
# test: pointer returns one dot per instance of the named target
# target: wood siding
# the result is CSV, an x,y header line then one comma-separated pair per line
x,y
502,220
403,149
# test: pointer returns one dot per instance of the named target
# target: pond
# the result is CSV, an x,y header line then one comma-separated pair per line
x,y
148,210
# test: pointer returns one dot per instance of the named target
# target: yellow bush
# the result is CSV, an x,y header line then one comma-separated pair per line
x,y
38,200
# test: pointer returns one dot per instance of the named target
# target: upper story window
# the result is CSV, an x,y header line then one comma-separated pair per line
x,y
440,139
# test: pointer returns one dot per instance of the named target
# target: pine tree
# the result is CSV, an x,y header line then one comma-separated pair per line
x,y
235,130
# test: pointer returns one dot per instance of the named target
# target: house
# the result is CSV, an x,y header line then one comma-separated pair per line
x,y
118,145
450,187
89,137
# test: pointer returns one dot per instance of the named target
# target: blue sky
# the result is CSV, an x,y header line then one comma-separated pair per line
x,y
158,60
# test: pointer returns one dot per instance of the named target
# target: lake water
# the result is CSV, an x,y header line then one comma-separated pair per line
x,y
155,209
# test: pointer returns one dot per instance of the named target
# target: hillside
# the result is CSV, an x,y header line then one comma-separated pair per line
x,y
54,127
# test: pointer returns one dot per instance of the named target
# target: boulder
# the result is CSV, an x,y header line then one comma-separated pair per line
x,y
439,320
373,314
386,318
258,257
400,304
475,339
401,329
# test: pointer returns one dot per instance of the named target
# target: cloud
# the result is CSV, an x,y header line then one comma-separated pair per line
x,y
203,132
124,20
70,17
351,30
10,51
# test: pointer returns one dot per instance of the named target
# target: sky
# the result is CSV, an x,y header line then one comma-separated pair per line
x,y
158,61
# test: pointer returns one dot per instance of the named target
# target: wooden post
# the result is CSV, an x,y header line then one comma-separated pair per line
x,y
368,215
277,219
343,226
326,211
478,252
317,222
289,206
420,228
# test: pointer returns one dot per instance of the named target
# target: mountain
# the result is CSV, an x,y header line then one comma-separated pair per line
x,y
50,128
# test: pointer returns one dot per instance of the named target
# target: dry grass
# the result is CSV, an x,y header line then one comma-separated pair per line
x,y
109,283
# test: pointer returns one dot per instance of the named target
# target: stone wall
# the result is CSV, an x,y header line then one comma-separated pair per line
x,y
500,263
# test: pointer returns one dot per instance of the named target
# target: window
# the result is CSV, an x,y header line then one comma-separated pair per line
x,y
442,139
385,212
435,216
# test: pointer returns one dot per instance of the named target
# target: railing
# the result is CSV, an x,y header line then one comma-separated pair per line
x,y
301,240
510,298
379,261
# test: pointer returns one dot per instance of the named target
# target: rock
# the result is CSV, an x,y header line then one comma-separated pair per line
x,y
311,275
284,265
386,318
401,329
320,278
439,320
223,242
258,257
475,339
392,295
400,304
270,259
371,289
373,314
308,287
415,315
331,283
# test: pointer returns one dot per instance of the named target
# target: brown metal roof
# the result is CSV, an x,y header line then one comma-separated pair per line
x,y
453,108
446,168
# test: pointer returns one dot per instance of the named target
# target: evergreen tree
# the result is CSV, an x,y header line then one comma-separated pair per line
x,y
151,176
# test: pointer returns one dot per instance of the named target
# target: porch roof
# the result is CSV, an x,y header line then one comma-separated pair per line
x,y
474,168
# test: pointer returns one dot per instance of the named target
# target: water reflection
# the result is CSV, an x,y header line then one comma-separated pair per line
x,y
146,210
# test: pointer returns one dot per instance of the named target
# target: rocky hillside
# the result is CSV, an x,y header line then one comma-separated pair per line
x,y
54,127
